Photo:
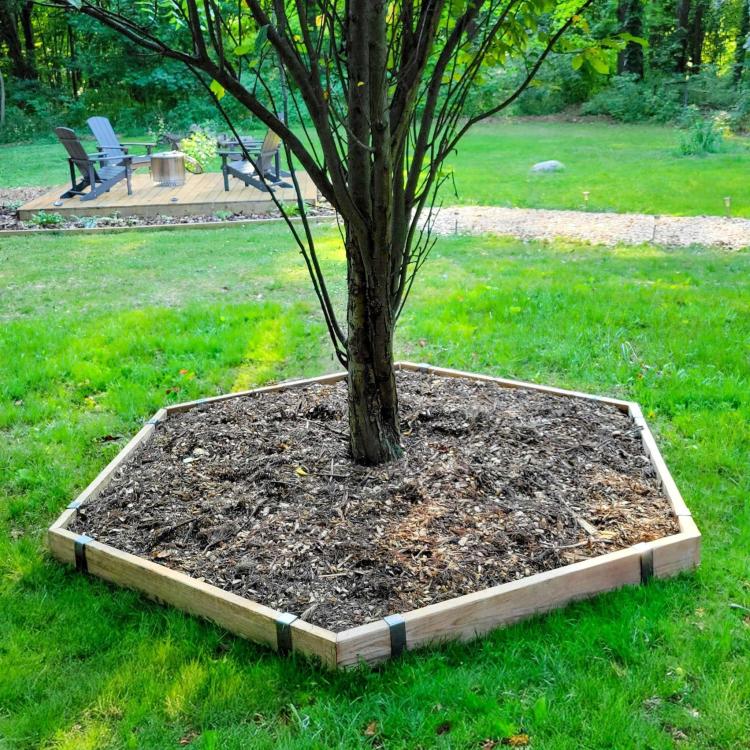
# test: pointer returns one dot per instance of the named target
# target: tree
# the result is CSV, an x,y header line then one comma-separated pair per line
x,y
383,86
743,36
630,16
21,54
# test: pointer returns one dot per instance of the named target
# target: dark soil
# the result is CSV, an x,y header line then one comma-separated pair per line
x,y
258,496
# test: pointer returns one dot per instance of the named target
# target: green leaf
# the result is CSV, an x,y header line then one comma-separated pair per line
x,y
577,62
244,49
635,39
217,89
596,60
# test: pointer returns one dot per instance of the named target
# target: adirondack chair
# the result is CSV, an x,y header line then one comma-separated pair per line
x,y
110,144
266,160
98,179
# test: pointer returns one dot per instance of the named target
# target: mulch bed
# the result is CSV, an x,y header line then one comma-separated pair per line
x,y
258,496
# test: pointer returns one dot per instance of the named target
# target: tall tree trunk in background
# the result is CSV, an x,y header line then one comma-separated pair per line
x,y
2,99
72,67
19,67
689,34
28,37
742,39
630,15
697,33
682,32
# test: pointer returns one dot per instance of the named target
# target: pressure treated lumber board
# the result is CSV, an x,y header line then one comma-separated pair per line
x,y
460,618
201,194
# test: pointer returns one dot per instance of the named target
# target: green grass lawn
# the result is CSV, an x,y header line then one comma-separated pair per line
x,y
623,167
98,333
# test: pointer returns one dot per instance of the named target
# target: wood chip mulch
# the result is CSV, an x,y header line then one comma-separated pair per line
x,y
258,496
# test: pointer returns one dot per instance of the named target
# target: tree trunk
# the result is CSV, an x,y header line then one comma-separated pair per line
x,y
2,100
681,35
373,400
742,37
630,15
28,36
19,67
697,35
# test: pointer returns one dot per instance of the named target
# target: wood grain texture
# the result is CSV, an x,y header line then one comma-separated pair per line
x,y
312,640
369,643
675,554
468,616
64,519
243,617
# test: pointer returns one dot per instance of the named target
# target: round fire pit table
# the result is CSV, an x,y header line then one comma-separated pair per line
x,y
168,169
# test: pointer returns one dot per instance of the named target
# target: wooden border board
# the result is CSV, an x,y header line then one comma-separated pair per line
x,y
460,618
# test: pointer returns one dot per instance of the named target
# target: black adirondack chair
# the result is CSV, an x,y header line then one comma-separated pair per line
x,y
99,172
109,143
266,158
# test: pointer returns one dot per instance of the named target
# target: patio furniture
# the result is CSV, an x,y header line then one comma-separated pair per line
x,y
168,169
98,179
110,144
265,173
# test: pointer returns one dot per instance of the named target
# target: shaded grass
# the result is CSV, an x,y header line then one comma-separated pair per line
x,y
97,336
626,168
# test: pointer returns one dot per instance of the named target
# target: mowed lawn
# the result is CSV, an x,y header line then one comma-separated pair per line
x,y
624,168
99,331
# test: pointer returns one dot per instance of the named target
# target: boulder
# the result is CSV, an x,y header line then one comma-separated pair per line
x,y
548,166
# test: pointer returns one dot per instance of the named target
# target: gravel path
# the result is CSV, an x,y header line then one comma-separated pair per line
x,y
545,224
597,228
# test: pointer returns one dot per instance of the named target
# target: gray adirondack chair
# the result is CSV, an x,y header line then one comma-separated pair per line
x,y
110,144
99,171
266,160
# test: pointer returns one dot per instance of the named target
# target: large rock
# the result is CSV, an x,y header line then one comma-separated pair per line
x,y
548,166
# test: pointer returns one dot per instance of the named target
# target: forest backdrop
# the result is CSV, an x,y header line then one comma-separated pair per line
x,y
60,68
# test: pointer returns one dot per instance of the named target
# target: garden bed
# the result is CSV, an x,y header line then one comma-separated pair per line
x,y
503,492
12,198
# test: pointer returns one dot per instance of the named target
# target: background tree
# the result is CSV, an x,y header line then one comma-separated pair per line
x,y
630,59
16,32
384,87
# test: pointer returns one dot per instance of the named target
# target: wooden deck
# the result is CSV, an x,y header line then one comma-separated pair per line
x,y
201,194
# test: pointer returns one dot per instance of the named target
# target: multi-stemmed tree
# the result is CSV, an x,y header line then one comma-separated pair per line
x,y
380,90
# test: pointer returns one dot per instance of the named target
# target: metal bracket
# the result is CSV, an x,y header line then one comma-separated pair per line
x,y
284,632
397,629
153,421
79,548
75,504
647,565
